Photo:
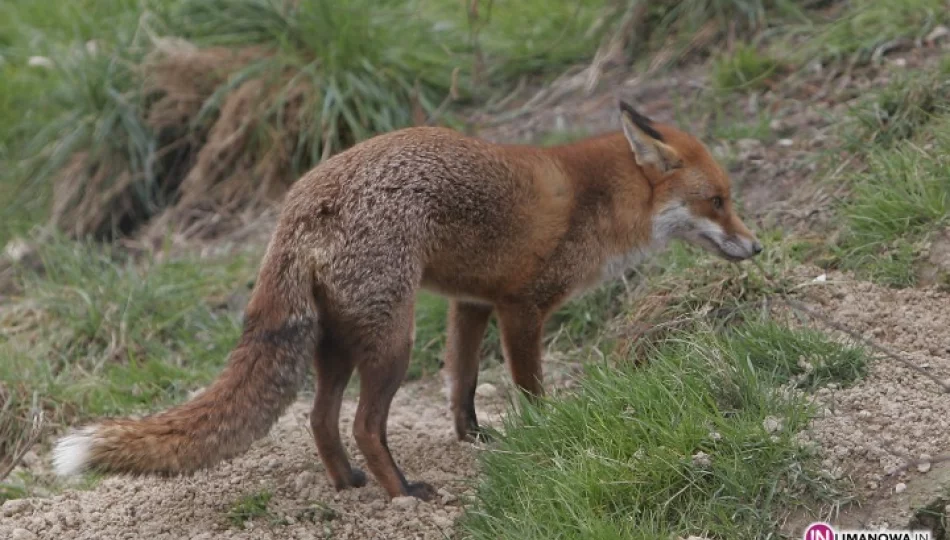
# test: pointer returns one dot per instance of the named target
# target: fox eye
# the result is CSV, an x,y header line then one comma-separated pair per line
x,y
717,202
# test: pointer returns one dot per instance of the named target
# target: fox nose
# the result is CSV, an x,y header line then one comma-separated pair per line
x,y
756,247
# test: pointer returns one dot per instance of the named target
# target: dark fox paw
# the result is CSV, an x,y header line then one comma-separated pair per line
x,y
357,477
421,490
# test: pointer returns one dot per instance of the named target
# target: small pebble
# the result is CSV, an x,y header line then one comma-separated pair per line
x,y
447,497
306,480
22,534
900,488
772,424
405,503
702,459
486,390
16,506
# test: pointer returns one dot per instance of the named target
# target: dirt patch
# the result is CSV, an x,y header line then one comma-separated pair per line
x,y
303,505
874,432
935,270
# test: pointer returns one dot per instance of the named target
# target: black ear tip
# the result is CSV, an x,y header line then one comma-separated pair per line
x,y
633,113
641,121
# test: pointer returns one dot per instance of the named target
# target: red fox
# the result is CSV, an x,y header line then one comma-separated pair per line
x,y
510,230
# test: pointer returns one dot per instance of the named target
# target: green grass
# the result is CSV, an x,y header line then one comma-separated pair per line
x,y
900,198
863,26
700,441
95,333
31,97
803,356
250,507
120,336
745,69
677,28
506,49
324,76
900,110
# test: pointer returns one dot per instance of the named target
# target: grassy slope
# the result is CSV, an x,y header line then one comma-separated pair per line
x,y
901,196
95,334
700,441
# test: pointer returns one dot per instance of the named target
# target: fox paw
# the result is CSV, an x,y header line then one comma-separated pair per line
x,y
421,490
357,477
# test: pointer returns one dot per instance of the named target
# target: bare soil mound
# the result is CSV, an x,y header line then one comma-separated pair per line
x,y
889,433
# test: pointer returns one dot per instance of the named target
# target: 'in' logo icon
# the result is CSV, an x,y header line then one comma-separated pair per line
x,y
819,531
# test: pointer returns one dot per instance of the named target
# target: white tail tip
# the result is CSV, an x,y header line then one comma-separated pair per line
x,y
71,453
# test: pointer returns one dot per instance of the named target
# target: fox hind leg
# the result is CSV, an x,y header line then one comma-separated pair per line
x,y
466,329
521,332
382,370
333,367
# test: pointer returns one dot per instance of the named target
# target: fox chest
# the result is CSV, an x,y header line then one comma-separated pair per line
x,y
616,266
608,269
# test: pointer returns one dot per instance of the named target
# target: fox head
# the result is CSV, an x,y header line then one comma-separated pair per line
x,y
691,192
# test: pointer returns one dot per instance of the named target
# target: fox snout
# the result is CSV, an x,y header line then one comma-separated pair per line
x,y
735,242
736,247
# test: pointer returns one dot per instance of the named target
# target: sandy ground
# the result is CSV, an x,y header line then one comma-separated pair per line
x,y
284,464
875,432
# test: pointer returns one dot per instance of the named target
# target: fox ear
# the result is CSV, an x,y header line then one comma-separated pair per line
x,y
646,142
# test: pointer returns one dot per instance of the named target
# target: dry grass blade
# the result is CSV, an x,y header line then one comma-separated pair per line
x,y
20,434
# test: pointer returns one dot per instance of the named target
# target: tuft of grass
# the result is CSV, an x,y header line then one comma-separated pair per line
x,y
745,69
900,110
802,356
863,27
900,198
699,442
318,512
504,49
281,85
431,313
31,95
670,31
249,507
